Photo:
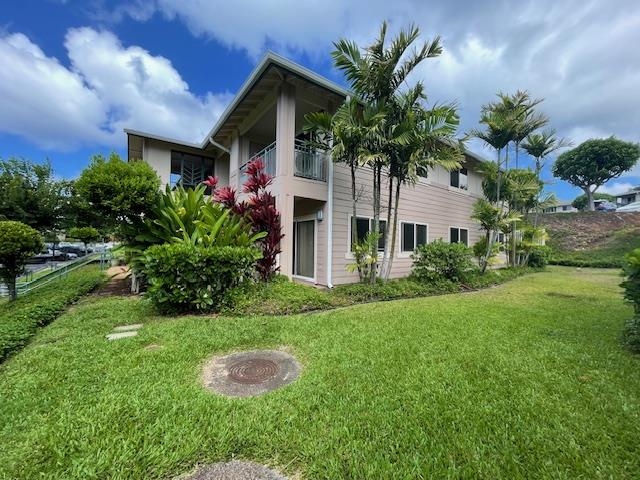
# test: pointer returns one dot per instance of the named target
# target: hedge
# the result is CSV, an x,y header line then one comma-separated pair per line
x,y
186,278
21,319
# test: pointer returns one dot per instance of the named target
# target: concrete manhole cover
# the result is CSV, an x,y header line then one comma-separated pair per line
x,y
234,470
251,373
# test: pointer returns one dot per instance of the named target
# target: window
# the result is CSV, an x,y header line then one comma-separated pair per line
x,y
189,170
459,235
459,179
412,236
364,226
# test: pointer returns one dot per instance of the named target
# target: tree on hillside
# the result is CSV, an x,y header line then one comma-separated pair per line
x,y
117,193
18,242
30,194
581,201
594,162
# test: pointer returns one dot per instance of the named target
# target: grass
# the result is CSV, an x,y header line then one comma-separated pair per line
x,y
282,297
606,255
526,380
19,320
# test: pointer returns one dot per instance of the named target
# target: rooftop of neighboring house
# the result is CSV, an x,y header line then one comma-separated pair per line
x,y
632,191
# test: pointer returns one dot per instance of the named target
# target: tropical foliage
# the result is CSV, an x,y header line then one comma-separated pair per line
x,y
631,285
260,212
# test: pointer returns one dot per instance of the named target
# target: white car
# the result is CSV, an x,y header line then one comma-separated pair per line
x,y
632,207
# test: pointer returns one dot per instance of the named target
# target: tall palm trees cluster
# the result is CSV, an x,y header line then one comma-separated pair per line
x,y
510,124
386,127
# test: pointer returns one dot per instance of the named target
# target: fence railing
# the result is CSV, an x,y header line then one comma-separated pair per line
x,y
309,162
268,156
25,287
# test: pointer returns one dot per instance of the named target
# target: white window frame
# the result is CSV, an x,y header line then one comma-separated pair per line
x,y
459,228
402,254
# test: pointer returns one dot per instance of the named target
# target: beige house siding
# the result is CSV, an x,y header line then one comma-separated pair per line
x,y
431,201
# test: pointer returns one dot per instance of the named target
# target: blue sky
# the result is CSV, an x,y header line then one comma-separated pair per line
x,y
75,73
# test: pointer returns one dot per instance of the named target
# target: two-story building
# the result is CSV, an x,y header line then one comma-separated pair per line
x,y
313,194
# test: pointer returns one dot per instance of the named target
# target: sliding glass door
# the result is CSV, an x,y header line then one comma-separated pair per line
x,y
304,248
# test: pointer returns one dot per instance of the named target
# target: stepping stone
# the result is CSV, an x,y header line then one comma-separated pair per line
x,y
246,374
119,335
126,328
235,470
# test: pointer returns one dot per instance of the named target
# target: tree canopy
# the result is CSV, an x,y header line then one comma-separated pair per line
x,y
18,242
117,193
594,162
30,194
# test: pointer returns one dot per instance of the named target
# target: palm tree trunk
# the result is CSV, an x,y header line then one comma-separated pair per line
x,y
354,218
394,230
385,258
376,221
491,233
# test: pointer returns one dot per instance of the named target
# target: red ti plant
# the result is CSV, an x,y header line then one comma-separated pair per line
x,y
259,209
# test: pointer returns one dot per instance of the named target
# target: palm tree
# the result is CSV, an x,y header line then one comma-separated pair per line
x,y
430,142
540,146
376,75
343,134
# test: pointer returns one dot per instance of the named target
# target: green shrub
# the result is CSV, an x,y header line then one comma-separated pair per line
x,y
280,296
18,242
480,250
184,278
631,285
20,319
538,256
440,260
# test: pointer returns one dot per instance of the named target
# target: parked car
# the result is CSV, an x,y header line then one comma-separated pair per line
x,y
606,206
77,251
631,207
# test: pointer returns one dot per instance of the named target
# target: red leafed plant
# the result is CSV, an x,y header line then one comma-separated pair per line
x,y
259,209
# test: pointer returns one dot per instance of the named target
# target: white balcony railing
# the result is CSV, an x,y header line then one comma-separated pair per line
x,y
308,163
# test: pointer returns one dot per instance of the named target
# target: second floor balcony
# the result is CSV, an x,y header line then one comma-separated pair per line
x,y
308,162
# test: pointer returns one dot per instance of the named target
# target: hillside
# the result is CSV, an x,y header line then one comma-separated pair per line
x,y
591,238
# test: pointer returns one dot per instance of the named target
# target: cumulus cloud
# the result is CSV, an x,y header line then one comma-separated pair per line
x,y
106,88
580,56
616,188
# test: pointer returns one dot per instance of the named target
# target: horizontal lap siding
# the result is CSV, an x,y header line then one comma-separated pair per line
x,y
426,202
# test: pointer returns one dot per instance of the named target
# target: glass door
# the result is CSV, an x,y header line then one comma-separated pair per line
x,y
304,248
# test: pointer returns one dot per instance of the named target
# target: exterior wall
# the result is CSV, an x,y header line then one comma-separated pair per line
x,y
158,155
431,201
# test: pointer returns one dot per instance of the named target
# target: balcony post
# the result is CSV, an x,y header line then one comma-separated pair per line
x,y
285,129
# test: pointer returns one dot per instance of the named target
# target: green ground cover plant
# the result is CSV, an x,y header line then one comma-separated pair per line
x,y
526,380
21,319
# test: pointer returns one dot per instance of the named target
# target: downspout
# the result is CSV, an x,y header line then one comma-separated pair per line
x,y
221,147
330,222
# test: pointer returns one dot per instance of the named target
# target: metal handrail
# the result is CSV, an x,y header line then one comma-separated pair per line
x,y
26,287
309,162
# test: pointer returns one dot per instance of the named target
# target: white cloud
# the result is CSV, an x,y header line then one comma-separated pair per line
x,y
616,188
580,56
107,87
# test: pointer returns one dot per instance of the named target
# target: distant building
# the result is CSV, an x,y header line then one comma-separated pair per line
x,y
626,198
561,207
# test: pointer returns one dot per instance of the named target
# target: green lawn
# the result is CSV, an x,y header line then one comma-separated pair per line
x,y
526,380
